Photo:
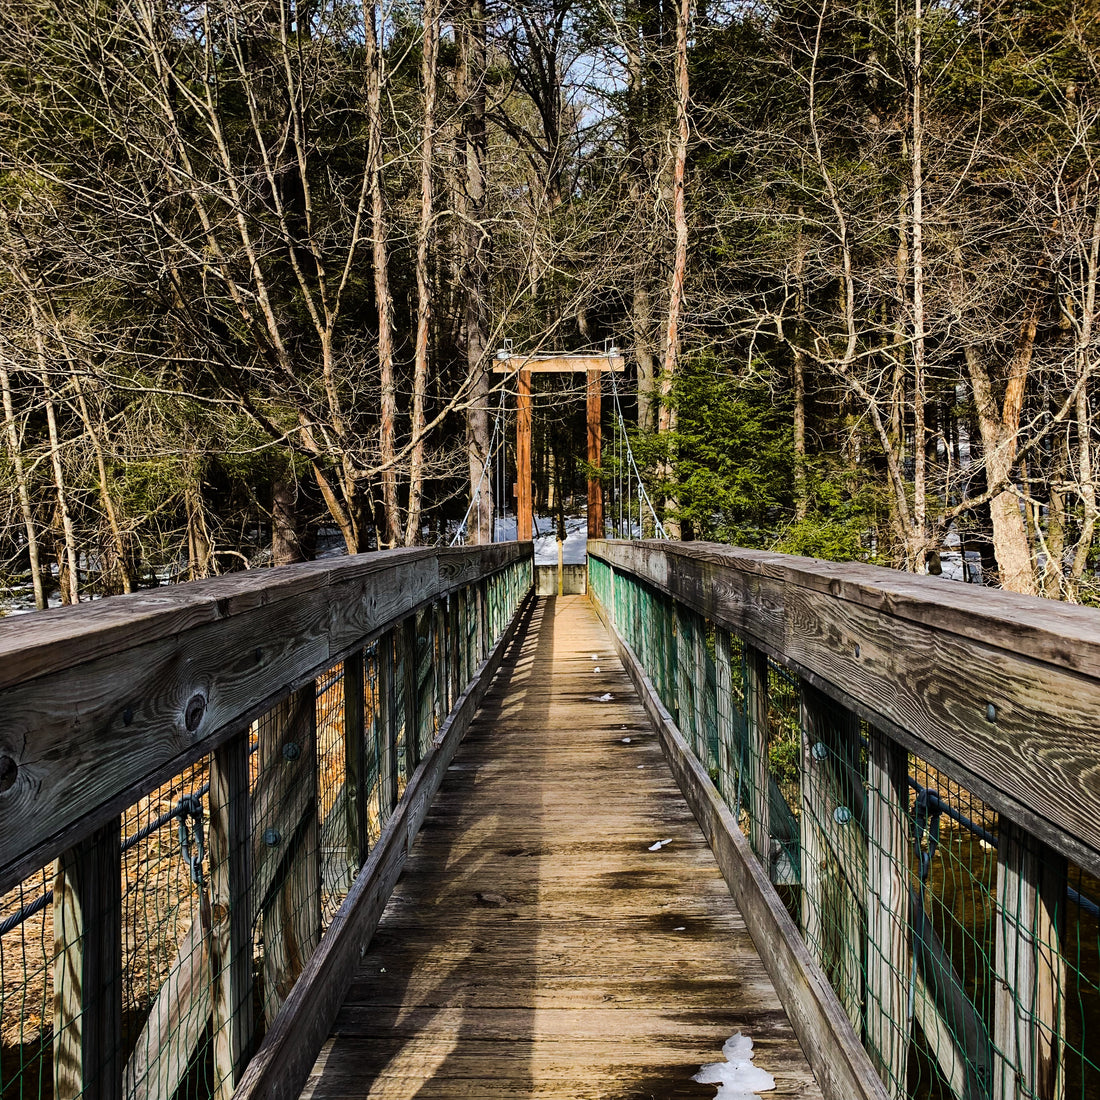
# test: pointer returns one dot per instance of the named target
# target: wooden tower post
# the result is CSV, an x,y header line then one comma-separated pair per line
x,y
524,513
595,485
593,364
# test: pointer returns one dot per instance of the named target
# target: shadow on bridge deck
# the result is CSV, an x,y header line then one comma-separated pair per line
x,y
535,946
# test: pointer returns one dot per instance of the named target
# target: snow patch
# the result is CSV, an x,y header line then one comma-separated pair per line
x,y
659,845
737,1078
596,669
626,740
605,698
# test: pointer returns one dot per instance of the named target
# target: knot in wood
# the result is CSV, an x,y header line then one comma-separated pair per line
x,y
9,769
196,708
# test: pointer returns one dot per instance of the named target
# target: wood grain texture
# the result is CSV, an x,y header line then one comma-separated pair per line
x,y
553,364
231,913
282,1064
535,946
924,660
87,998
841,1066
889,958
101,702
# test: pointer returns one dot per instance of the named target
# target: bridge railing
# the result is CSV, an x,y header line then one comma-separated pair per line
x,y
192,780
901,777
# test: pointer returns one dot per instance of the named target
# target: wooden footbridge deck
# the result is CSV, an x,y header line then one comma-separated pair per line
x,y
393,826
535,946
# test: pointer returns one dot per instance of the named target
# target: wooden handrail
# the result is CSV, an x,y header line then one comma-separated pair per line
x,y
101,703
1002,691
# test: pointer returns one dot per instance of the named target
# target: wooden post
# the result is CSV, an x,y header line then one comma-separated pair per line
x,y
439,663
412,694
595,486
727,738
756,727
454,657
1029,994
889,957
387,726
290,831
87,921
356,770
813,709
524,523
425,673
699,689
231,912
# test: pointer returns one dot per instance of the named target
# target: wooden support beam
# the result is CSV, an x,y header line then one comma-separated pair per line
x,y
292,906
729,736
889,957
231,913
756,764
1029,995
387,727
87,921
524,516
411,691
560,364
356,770
595,485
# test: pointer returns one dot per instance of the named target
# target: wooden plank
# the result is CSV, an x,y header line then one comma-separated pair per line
x,y
231,912
756,760
87,979
1029,994
969,686
555,364
387,726
840,1064
410,691
292,903
889,957
812,707
89,724
282,1064
729,739
356,768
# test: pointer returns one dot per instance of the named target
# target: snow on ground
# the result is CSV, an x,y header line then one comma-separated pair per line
x,y
546,541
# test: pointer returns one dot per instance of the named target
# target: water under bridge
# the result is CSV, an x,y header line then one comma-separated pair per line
x,y
398,826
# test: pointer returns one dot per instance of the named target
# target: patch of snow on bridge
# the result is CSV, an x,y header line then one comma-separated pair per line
x,y
737,1078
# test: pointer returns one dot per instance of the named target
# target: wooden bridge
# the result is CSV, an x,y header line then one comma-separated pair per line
x,y
394,826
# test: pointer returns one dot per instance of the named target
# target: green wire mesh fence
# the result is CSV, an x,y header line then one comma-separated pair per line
x,y
964,951
221,882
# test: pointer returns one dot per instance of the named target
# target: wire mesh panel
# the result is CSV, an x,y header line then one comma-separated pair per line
x,y
27,964
339,862
147,959
964,951
167,928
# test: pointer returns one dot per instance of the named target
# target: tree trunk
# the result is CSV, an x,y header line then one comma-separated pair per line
x,y
70,577
11,435
423,284
286,547
1010,546
666,420
473,147
918,536
380,259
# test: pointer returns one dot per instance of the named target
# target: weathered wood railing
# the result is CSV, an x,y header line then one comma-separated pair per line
x,y
901,779
292,726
